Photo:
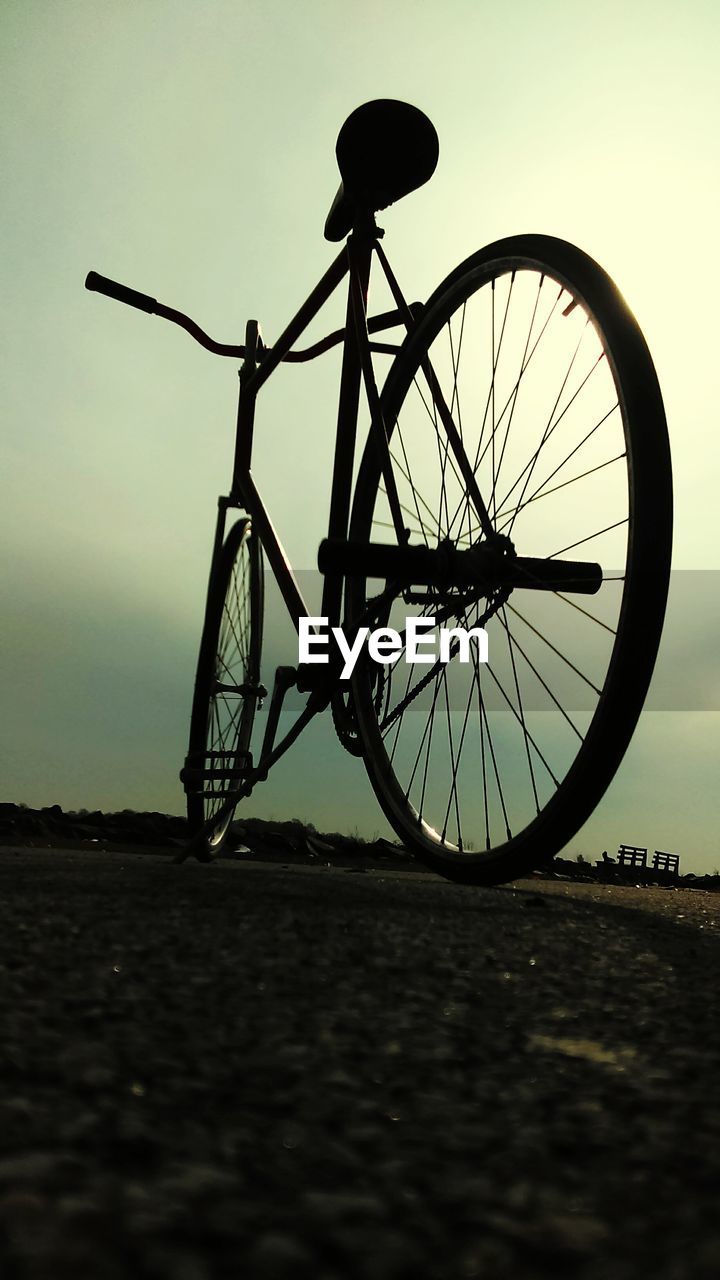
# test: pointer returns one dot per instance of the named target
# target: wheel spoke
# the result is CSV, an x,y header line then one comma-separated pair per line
x,y
453,765
453,789
548,690
484,721
550,645
559,596
521,712
617,525
505,515
549,431
512,397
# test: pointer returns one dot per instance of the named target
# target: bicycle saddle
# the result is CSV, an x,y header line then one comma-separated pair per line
x,y
384,150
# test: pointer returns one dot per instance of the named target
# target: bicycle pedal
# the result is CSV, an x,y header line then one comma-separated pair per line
x,y
246,690
209,767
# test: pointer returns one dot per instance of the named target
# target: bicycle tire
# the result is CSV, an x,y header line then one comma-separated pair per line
x,y
476,300
221,719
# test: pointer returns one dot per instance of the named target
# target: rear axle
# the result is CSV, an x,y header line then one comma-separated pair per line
x,y
485,567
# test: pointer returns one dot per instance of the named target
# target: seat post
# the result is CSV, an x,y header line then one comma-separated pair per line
x,y
359,249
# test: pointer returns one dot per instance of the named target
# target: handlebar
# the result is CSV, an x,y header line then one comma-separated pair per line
x,y
121,292
132,298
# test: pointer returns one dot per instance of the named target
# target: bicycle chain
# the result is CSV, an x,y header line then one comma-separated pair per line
x,y
497,603
343,713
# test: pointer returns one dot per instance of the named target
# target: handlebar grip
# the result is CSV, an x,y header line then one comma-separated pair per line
x,y
121,292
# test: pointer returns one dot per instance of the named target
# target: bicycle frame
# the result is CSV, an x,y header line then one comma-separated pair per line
x,y
260,362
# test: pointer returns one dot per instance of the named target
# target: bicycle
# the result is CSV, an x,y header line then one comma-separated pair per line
x,y
521,399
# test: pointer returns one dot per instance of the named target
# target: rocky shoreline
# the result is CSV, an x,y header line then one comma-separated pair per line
x,y
52,827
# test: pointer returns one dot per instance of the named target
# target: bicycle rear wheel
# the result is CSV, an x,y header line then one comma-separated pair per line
x,y
487,770
227,689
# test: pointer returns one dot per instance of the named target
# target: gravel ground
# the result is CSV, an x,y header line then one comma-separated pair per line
x,y
305,1073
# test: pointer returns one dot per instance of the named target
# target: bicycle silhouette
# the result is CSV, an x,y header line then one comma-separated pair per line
x,y
520,420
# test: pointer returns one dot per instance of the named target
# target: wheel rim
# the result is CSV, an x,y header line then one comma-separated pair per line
x,y
223,716
486,759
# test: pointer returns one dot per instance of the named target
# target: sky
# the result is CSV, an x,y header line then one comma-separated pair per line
x,y
188,150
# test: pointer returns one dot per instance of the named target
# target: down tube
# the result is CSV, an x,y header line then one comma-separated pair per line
x,y
275,552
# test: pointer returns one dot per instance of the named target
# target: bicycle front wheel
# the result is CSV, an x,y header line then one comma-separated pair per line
x,y
487,769
227,689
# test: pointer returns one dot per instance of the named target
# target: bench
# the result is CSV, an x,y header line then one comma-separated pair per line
x,y
632,855
666,862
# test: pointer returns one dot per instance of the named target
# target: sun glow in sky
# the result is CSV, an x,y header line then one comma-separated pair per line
x,y
188,150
